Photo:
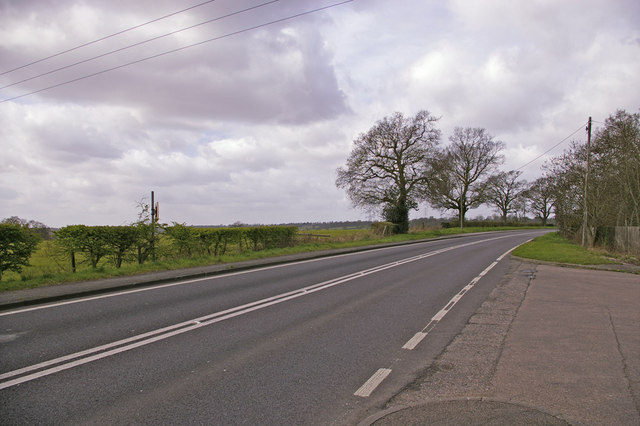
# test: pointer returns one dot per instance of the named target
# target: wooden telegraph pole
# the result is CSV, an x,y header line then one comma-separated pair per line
x,y
153,228
585,220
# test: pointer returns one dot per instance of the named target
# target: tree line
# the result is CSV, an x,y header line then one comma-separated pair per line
x,y
398,163
598,183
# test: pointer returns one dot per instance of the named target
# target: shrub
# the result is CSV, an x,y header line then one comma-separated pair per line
x,y
383,228
16,245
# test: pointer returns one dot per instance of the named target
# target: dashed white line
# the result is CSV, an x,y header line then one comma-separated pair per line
x,y
419,337
83,357
374,381
414,341
103,351
439,315
230,274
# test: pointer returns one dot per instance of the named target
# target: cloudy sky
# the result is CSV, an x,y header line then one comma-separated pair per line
x,y
251,125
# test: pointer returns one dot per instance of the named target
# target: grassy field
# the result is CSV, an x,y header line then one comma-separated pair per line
x,y
553,247
50,267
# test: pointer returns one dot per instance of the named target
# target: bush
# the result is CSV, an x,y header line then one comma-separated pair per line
x,y
96,242
384,228
265,237
215,241
185,238
16,245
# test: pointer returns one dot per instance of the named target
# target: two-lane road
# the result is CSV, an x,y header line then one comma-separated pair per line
x,y
314,342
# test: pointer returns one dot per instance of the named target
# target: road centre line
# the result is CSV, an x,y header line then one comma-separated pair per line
x,y
374,381
419,336
113,348
207,319
194,280
378,377
173,284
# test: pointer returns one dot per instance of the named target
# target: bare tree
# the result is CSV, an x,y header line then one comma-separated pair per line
x,y
503,192
457,177
613,191
568,173
540,196
387,165
616,170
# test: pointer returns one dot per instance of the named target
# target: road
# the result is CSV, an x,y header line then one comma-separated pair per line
x,y
323,341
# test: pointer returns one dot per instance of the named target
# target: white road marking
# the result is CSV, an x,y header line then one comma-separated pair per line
x,y
418,337
213,277
373,382
103,351
414,341
178,283
437,317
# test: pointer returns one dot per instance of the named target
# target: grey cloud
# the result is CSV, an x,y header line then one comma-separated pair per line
x,y
252,127
268,75
78,145
8,193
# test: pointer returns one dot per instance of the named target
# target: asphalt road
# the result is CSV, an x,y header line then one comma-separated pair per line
x,y
323,341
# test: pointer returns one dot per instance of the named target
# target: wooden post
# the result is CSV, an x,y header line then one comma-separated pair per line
x,y
585,221
153,228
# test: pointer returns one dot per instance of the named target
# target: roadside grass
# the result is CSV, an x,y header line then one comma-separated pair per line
x,y
553,247
50,267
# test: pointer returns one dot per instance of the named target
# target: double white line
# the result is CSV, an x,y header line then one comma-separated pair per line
x,y
66,362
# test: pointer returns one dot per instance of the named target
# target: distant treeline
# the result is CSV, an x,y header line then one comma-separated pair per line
x,y
490,223
304,226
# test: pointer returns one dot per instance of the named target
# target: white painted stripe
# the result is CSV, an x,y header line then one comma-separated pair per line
x,y
374,381
230,274
439,315
414,341
418,337
177,283
123,345
133,342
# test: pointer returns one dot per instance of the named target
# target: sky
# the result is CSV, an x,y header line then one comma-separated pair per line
x,y
250,123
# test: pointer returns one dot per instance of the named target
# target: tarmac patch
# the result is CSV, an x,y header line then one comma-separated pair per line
x,y
468,412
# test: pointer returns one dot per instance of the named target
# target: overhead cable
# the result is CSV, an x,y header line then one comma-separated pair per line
x,y
137,44
177,50
553,147
106,37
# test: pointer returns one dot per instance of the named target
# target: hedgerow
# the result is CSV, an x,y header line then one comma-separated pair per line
x,y
136,242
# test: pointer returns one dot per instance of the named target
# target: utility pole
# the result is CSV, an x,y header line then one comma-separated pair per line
x,y
585,221
153,209
153,227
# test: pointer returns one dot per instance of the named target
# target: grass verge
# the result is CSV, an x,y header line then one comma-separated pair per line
x,y
45,270
553,247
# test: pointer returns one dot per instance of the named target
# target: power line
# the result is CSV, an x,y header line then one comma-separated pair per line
x,y
138,44
552,148
105,37
177,50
